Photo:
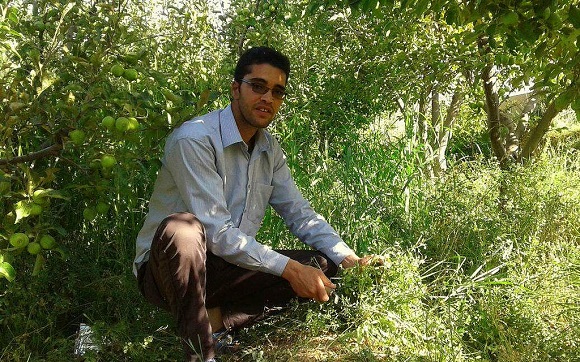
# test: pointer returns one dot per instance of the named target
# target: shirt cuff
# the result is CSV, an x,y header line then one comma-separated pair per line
x,y
339,251
276,263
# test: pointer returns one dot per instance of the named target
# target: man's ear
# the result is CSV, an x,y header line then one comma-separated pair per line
x,y
235,88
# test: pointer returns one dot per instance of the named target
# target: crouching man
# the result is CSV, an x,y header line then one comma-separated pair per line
x,y
197,255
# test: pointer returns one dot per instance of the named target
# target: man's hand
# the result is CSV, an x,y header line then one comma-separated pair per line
x,y
354,260
307,281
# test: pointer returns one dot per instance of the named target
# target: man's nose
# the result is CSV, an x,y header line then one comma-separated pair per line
x,y
268,97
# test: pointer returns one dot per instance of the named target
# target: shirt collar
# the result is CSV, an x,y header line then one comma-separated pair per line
x,y
231,134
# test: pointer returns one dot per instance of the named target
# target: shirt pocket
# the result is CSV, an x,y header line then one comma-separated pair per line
x,y
257,202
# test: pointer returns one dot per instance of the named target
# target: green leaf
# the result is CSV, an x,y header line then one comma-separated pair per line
x,y
368,5
563,100
7,271
539,52
576,105
23,210
51,193
528,31
511,43
554,21
574,16
421,6
510,18
38,264
451,16
13,15
312,7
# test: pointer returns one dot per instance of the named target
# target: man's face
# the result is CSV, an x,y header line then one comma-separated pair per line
x,y
254,110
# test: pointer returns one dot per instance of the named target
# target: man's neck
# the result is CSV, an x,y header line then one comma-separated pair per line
x,y
247,132
251,143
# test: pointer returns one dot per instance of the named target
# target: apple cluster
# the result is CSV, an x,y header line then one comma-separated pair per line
x,y
22,240
129,74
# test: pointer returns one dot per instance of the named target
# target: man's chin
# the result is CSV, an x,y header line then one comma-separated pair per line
x,y
262,122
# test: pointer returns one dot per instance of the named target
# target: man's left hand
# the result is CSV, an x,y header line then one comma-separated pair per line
x,y
354,260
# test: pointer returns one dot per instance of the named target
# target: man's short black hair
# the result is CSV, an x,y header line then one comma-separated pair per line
x,y
261,55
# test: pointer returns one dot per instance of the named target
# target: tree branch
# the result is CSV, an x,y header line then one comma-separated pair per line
x,y
538,132
46,152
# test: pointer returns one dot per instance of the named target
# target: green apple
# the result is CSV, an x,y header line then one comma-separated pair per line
x,y
133,124
108,122
77,136
89,213
108,161
39,195
122,124
41,198
117,70
130,74
35,209
19,240
47,242
34,248
39,25
102,207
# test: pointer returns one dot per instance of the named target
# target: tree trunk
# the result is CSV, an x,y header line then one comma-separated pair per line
x,y
440,163
424,132
538,133
435,107
492,106
493,119
516,124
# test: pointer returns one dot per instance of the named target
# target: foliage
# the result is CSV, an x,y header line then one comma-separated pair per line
x,y
87,87
482,262
501,46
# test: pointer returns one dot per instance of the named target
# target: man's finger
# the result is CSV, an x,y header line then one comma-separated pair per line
x,y
323,297
372,260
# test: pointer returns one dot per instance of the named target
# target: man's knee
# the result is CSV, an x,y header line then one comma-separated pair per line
x,y
180,231
183,221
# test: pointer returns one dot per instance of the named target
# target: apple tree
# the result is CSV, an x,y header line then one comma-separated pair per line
x,y
88,90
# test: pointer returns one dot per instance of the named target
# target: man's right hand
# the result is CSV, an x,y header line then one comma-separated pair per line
x,y
307,281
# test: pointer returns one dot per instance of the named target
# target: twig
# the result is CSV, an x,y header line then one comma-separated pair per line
x,y
48,151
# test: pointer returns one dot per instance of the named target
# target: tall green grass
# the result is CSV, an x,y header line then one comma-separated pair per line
x,y
482,263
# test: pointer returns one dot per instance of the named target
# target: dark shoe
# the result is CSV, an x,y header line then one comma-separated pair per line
x,y
225,343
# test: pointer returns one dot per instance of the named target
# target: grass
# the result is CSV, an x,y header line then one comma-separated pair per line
x,y
480,265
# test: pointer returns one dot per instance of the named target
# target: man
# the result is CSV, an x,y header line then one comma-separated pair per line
x,y
197,255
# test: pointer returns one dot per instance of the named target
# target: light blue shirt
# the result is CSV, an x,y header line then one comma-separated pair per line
x,y
207,170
